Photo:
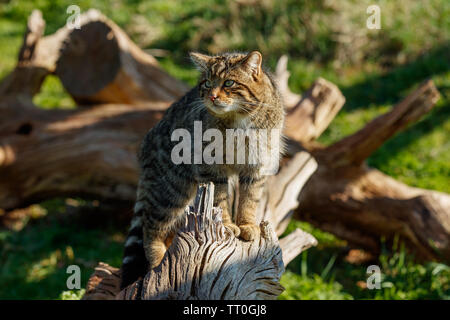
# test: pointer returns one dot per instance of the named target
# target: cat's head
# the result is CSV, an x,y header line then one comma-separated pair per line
x,y
232,83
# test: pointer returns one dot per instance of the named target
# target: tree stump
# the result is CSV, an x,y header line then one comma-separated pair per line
x,y
204,261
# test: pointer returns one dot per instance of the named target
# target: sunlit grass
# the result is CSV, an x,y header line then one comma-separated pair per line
x,y
299,287
33,261
323,272
72,294
53,95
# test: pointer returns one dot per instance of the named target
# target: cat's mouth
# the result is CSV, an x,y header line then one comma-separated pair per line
x,y
218,107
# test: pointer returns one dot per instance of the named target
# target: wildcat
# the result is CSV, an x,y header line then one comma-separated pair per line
x,y
233,92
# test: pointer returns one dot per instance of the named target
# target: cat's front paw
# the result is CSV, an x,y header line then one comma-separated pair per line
x,y
233,228
249,232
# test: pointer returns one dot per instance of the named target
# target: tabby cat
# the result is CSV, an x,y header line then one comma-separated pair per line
x,y
233,92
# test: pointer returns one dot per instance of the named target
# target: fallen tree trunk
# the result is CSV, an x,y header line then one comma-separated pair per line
x,y
91,152
361,204
205,261
117,71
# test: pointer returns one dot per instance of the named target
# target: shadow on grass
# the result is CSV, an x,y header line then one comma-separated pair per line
x,y
393,86
33,261
432,121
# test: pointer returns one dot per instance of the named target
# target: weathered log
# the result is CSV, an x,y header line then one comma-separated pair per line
x,y
103,284
206,261
311,115
43,153
361,204
55,153
282,190
26,79
282,74
98,63
91,153
356,148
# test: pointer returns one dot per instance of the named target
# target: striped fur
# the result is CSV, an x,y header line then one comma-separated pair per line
x,y
164,190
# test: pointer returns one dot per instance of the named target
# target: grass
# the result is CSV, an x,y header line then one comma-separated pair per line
x,y
326,272
35,259
374,70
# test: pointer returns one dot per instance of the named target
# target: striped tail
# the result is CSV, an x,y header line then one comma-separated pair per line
x,y
134,263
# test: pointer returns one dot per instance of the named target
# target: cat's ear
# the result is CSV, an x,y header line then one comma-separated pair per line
x,y
200,60
253,62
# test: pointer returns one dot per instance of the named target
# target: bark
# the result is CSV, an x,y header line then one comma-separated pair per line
x,y
361,204
358,203
98,63
357,147
206,261
31,69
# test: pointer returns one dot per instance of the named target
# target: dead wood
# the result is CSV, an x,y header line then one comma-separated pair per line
x,y
361,204
206,261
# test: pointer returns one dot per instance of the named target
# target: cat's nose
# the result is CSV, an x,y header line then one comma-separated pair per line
x,y
212,97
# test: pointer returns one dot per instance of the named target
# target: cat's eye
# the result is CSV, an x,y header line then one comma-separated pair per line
x,y
208,84
228,83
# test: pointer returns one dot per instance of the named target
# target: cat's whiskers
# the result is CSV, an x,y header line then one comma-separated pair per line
x,y
196,105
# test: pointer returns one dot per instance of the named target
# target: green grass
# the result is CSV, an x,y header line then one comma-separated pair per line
x,y
323,272
34,260
374,72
